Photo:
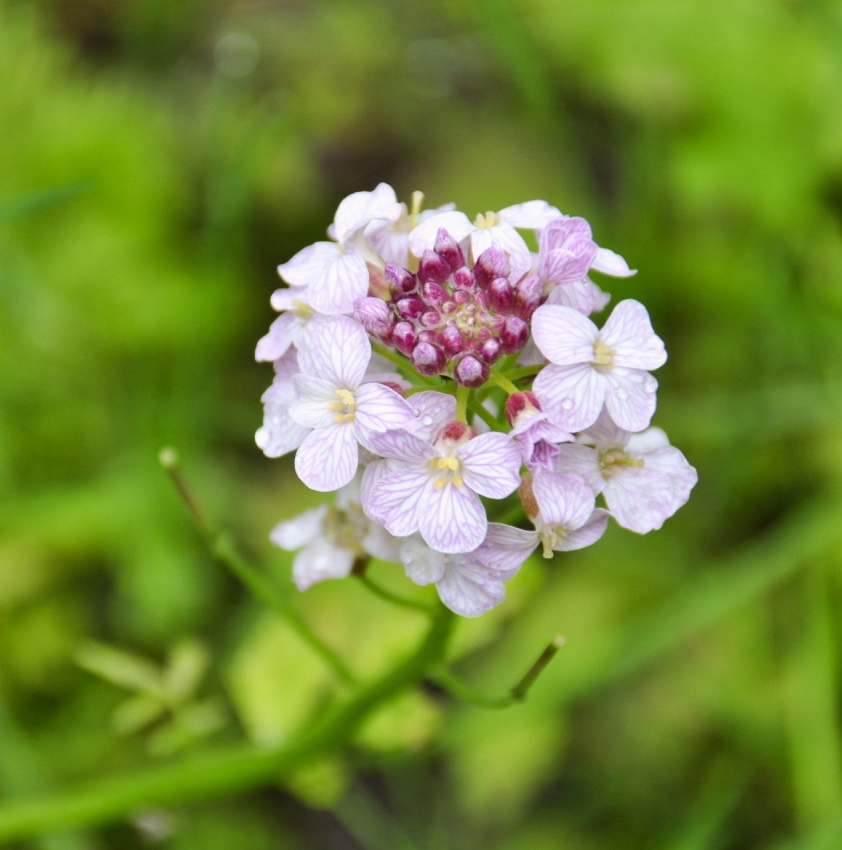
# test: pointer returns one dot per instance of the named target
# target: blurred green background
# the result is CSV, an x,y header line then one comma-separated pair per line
x,y
158,159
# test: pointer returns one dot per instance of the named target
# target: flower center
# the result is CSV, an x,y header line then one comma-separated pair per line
x,y
302,310
551,537
612,461
346,406
447,469
603,356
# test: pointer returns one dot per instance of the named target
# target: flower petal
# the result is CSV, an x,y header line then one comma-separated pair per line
x,y
491,465
588,533
571,396
611,264
328,457
309,264
505,548
294,533
343,282
630,398
422,564
280,337
468,588
563,335
337,351
565,500
452,518
395,500
379,409
629,332
319,561
640,499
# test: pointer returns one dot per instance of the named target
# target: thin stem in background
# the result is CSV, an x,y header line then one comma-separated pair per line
x,y
222,548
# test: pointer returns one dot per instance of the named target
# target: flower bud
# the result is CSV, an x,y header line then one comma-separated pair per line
x,y
500,295
463,278
490,350
518,403
448,249
375,316
433,267
401,282
471,371
527,296
514,335
450,339
434,294
428,359
404,337
491,263
431,319
410,308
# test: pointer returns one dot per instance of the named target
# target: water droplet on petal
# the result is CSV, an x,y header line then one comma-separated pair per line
x,y
567,403
426,421
621,394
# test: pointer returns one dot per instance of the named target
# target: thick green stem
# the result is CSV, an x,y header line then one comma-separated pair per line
x,y
222,773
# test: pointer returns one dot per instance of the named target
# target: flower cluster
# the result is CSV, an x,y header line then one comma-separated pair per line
x,y
425,362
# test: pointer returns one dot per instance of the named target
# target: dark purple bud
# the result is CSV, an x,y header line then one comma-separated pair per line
x,y
448,249
431,319
428,359
433,267
470,371
500,295
514,335
527,296
491,263
401,282
404,337
375,316
456,432
517,403
434,294
463,278
490,350
410,308
428,336
450,339
462,296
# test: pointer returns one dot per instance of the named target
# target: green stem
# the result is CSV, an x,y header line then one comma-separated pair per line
x,y
224,551
504,382
518,693
388,596
523,372
476,408
462,396
222,773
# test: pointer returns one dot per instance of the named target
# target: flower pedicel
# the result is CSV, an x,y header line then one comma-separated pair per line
x,y
424,360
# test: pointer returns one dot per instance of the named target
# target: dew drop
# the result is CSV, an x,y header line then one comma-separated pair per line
x,y
567,403
426,421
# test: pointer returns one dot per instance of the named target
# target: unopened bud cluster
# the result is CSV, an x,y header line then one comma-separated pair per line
x,y
424,360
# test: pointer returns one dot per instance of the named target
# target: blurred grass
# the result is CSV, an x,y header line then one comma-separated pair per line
x,y
146,194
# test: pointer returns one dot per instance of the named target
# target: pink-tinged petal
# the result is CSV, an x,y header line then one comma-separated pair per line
x,y
402,446
396,501
468,588
530,215
285,367
646,441
611,264
380,544
422,564
278,340
279,434
505,548
640,499
671,462
321,561
433,410
629,333
571,396
373,474
577,296
423,237
564,500
337,350
380,408
328,458
491,465
582,461
311,407
630,398
452,518
288,298
586,534
605,433
564,335
343,282
360,208
294,533
309,264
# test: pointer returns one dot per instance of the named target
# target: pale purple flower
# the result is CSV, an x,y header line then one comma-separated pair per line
x,y
432,489
473,582
643,479
590,367
535,435
332,538
563,511
290,328
342,411
566,251
336,272
279,433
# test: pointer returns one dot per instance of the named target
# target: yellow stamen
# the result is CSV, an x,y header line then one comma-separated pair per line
x,y
603,355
